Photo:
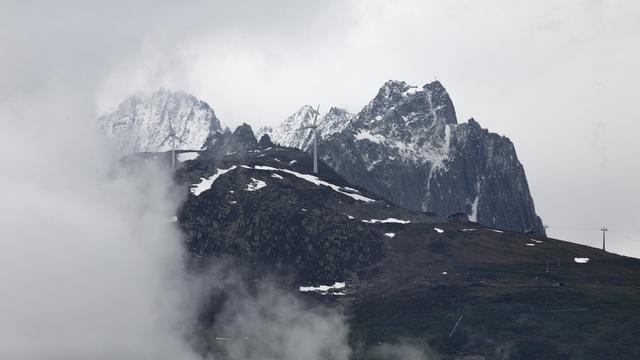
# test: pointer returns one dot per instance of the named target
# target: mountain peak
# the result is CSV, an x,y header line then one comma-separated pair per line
x,y
243,134
407,145
238,142
436,84
142,123
392,89
265,141
336,111
394,94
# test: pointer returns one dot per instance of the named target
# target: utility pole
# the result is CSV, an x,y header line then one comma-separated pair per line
x,y
455,327
604,230
315,141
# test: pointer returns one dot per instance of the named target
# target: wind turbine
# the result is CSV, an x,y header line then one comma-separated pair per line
x,y
172,136
314,129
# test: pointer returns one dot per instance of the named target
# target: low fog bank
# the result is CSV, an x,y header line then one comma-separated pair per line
x,y
90,266
249,317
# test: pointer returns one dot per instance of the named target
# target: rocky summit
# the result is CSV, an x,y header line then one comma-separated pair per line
x,y
458,290
142,123
407,146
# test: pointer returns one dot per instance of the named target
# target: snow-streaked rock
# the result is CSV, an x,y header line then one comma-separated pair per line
x,y
143,122
315,180
288,134
406,144
255,184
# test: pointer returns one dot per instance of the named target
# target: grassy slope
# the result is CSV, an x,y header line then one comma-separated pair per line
x,y
511,306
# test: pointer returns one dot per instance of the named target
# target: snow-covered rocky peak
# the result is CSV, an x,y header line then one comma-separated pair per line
x,y
411,122
389,95
335,121
427,103
406,144
288,133
143,122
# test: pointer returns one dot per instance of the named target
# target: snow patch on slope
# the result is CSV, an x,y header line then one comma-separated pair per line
x,y
366,135
324,288
206,183
386,221
255,184
315,180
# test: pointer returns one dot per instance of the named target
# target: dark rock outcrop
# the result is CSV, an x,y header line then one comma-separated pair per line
x,y
225,143
265,141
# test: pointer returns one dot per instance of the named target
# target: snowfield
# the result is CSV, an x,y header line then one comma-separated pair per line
x,y
205,184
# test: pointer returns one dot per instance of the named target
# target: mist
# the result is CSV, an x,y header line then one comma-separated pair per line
x,y
91,266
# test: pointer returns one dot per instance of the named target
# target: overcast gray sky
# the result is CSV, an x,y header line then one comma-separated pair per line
x,y
558,78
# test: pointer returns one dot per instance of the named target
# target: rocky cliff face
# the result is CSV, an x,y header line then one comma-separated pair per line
x,y
408,146
141,123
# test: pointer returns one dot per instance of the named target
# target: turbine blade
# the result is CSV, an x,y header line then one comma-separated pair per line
x,y
182,141
165,140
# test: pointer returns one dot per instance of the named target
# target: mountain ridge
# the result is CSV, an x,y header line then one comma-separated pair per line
x,y
406,145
